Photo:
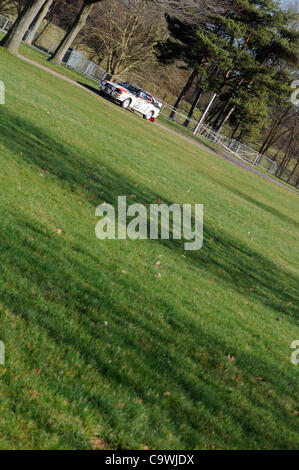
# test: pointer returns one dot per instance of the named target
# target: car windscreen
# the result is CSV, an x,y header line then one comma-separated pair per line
x,y
133,90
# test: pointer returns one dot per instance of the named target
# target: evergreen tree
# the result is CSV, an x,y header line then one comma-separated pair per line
x,y
195,45
252,48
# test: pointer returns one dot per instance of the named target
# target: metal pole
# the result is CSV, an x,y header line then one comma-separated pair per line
x,y
204,114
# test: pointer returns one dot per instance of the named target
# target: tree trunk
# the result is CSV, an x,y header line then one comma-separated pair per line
x,y
268,140
277,155
235,131
13,38
219,115
226,118
240,136
37,21
279,123
71,34
194,104
283,165
286,158
215,112
274,140
184,91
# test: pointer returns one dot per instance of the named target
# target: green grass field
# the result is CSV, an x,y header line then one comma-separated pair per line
x,y
101,352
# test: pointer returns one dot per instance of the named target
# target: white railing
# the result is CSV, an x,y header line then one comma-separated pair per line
x,y
178,116
5,23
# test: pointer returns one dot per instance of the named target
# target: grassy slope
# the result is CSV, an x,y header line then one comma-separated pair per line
x,y
158,375
187,132
41,58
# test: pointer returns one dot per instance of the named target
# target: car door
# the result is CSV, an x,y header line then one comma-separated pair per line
x,y
146,102
138,104
136,101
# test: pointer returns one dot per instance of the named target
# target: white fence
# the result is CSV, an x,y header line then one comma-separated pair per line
x,y
75,60
178,116
43,43
233,146
5,23
238,149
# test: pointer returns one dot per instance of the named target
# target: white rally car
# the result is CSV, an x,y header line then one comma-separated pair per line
x,y
131,96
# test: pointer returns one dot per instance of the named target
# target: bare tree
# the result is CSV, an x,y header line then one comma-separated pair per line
x,y
293,6
72,33
11,7
19,5
123,34
283,118
13,38
6,7
192,11
291,150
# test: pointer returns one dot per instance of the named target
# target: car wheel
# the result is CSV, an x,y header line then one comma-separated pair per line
x,y
126,103
148,116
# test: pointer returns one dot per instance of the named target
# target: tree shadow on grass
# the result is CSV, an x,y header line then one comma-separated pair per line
x,y
155,358
94,90
99,93
62,160
224,256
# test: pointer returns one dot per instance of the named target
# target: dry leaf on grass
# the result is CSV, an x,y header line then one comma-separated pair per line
x,y
99,444
231,358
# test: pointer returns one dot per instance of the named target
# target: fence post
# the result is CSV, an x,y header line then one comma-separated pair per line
x,y
50,49
201,121
2,353
257,160
4,26
88,67
2,92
